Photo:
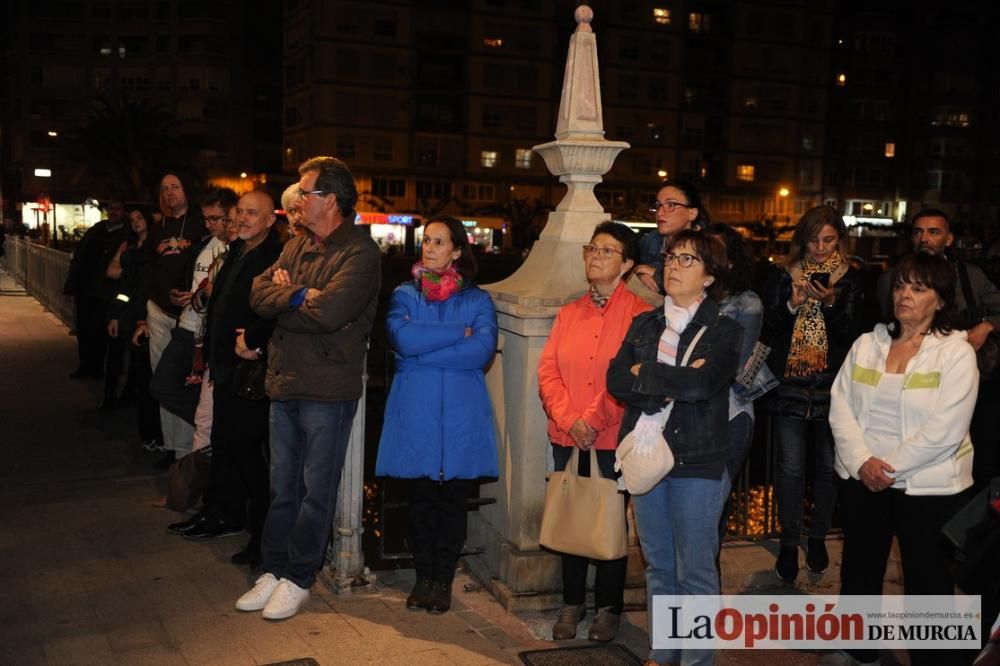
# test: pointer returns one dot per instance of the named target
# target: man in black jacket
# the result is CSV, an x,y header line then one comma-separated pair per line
x,y
92,290
235,339
168,248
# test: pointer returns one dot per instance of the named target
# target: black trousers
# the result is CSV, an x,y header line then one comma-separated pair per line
x,y
438,524
870,522
609,578
114,362
985,432
91,336
168,385
239,488
147,409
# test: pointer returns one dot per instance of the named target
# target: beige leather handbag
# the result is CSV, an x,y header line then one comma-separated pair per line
x,y
584,515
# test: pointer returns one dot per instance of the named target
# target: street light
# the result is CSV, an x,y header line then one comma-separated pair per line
x,y
53,133
662,173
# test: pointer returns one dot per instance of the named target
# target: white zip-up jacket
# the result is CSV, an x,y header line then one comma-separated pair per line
x,y
940,386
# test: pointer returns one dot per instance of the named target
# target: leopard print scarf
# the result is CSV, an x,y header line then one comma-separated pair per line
x,y
809,346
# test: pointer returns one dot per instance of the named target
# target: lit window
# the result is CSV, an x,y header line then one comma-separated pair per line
x,y
522,158
841,80
698,22
890,149
488,158
744,172
493,42
661,15
750,103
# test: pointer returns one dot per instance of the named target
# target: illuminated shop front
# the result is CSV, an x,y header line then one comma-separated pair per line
x,y
393,232
72,219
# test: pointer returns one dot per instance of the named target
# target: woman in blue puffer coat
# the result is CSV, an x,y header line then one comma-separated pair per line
x,y
439,429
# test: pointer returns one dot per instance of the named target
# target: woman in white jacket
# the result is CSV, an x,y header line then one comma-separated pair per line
x,y
900,411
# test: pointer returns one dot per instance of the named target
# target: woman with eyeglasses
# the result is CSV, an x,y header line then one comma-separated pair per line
x,y
678,519
571,381
677,207
438,429
811,318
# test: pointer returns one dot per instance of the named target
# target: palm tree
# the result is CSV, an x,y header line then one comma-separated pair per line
x,y
126,147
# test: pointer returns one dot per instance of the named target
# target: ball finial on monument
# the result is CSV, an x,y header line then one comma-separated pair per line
x,y
583,15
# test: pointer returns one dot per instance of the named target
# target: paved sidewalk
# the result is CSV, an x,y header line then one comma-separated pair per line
x,y
90,575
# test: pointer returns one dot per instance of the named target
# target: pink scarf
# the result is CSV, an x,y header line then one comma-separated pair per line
x,y
437,286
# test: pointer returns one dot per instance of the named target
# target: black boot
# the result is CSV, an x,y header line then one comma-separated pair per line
x,y
787,565
439,598
420,596
817,559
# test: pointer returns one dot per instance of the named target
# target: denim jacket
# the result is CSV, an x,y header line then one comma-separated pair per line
x,y
698,428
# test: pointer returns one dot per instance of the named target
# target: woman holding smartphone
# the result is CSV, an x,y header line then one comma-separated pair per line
x,y
811,319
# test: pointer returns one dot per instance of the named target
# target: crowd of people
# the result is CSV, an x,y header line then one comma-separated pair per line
x,y
885,416
251,346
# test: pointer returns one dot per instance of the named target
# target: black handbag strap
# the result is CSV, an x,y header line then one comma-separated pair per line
x,y
971,305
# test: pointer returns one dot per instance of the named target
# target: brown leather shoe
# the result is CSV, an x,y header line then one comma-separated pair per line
x,y
605,625
565,626
439,597
418,598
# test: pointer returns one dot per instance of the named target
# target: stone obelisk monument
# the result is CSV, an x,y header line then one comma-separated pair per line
x,y
527,303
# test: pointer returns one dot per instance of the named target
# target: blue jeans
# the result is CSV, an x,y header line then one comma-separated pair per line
x,y
678,525
792,438
308,445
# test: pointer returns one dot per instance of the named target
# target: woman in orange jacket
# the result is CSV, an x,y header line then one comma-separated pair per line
x,y
571,380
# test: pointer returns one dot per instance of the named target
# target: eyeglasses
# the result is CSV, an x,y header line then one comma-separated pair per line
x,y
216,219
602,252
684,260
303,194
669,206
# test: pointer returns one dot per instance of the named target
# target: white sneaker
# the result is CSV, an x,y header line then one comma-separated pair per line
x,y
259,594
286,601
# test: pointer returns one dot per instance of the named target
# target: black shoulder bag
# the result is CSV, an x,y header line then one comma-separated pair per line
x,y
988,356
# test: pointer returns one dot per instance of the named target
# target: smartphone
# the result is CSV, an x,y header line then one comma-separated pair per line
x,y
821,278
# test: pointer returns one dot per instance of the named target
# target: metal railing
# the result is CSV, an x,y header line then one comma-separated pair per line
x,y
752,505
42,272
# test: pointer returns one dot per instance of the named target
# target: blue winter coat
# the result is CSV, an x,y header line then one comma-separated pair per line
x,y
439,419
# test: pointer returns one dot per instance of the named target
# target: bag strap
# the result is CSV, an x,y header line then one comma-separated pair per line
x,y
970,298
574,462
694,343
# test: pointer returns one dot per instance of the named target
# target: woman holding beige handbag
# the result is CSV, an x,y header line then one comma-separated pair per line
x,y
582,417
678,518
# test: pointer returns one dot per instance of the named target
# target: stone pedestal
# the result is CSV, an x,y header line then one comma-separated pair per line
x,y
523,575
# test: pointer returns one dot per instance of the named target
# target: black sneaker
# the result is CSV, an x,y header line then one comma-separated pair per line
x,y
211,530
186,526
154,446
817,559
787,565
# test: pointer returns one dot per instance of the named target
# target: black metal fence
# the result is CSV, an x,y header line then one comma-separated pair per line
x,y
42,272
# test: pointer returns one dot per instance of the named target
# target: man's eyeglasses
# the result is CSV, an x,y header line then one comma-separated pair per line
x,y
602,252
303,194
684,260
216,219
669,206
